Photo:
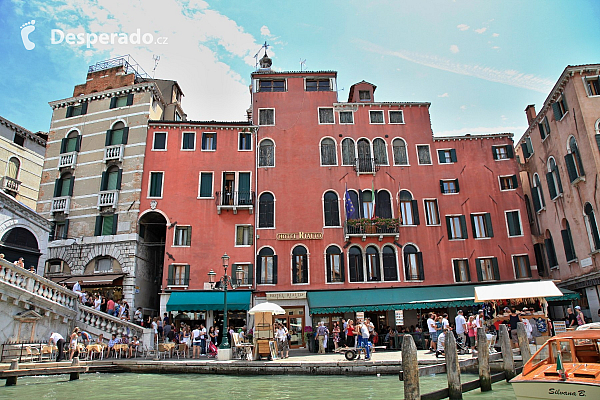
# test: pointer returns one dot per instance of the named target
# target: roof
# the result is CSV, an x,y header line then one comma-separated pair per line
x,y
294,73
233,123
36,137
351,92
469,136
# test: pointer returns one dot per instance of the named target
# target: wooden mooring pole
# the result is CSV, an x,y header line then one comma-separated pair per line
x,y
508,362
452,368
410,367
74,363
12,380
523,342
483,356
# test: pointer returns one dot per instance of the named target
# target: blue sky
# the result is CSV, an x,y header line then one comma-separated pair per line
x,y
479,63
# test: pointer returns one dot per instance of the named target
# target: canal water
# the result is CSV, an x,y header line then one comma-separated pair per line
x,y
216,387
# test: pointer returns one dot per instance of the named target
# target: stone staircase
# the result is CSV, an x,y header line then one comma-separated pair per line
x,y
32,307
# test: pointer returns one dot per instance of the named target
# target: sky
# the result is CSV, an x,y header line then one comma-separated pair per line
x,y
479,63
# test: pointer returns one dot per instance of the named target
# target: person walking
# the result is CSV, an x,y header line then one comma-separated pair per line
x,y
196,343
364,333
282,342
73,342
320,335
432,332
59,340
471,327
461,326
350,334
336,335
513,320
580,317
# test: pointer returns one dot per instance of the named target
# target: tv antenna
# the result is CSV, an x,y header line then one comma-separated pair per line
x,y
156,60
264,46
302,64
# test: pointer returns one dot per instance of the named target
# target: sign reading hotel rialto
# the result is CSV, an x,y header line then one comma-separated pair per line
x,y
286,295
300,235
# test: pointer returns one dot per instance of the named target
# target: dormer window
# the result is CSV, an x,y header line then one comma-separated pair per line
x,y
364,95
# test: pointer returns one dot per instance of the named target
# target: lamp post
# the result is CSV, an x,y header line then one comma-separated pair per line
x,y
226,281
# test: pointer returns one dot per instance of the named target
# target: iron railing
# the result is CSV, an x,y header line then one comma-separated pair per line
x,y
366,165
235,199
370,227
126,61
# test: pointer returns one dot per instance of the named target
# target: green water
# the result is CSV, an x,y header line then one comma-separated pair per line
x,y
214,387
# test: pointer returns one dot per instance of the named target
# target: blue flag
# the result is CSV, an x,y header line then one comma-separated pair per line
x,y
350,210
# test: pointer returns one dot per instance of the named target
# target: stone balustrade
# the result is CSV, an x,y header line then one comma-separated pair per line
x,y
23,279
108,198
10,184
100,322
67,160
61,204
114,152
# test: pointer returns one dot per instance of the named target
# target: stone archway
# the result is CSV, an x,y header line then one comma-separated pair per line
x,y
20,242
152,232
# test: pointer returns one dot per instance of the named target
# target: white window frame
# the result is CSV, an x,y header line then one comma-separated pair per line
x,y
485,228
266,108
452,266
274,159
520,223
500,182
175,236
235,236
319,115
209,150
452,193
97,264
339,209
444,150
396,123
585,81
513,257
486,271
340,119
404,265
177,285
195,138
212,188
166,141
406,148
506,152
459,226
377,123
162,186
274,212
385,144
342,257
245,262
437,209
417,150
321,155
240,139
307,264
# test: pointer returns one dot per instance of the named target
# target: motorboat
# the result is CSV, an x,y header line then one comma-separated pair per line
x,y
566,366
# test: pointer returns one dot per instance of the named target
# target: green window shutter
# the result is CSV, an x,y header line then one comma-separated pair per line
x,y
453,155
463,227
542,131
528,266
496,269
568,244
558,181
171,273
108,138
342,273
537,205
294,270
442,186
488,225
564,100
78,143
156,184
84,107
125,135
63,145
441,157
478,268
557,113
98,228
551,187
420,266
570,161
113,102
510,151
258,269
206,184
103,181
250,273
130,99
511,224
525,150
71,184
52,232
515,181
275,269
107,224
581,170
456,271
119,178
457,187
598,141
188,241
115,222
415,211
494,153
468,270
69,112
66,230
449,227
186,279
251,236
57,187
215,141
473,228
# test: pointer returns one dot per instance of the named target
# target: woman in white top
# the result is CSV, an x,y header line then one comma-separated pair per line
x,y
73,343
282,342
98,302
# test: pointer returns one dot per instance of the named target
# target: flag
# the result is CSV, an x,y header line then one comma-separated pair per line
x,y
350,210
399,206
560,368
373,198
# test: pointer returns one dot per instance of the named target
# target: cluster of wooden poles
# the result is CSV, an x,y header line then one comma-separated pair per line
x,y
410,366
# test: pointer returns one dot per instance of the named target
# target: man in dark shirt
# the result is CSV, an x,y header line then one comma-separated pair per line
x,y
571,318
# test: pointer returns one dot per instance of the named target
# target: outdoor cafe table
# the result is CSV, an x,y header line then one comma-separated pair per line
x,y
95,348
121,347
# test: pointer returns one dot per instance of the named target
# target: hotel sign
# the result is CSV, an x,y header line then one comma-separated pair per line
x,y
286,295
300,235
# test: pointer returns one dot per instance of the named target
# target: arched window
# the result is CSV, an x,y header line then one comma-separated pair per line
x,y
553,179
13,168
592,227
64,185
380,151
550,250
117,135
390,268
365,161
373,272
400,154
71,143
328,155
299,265
567,239
331,209
413,263
348,152
573,160
266,211
409,209
20,242
335,264
266,263
111,179
368,203
356,264
383,206
538,195
266,153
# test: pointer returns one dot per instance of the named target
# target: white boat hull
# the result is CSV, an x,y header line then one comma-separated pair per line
x,y
543,390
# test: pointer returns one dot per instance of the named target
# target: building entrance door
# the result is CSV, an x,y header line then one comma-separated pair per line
x,y
293,320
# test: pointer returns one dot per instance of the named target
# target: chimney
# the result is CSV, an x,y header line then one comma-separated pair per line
x,y
530,112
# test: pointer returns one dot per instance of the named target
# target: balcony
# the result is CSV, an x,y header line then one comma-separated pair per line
x,y
67,160
376,227
114,153
234,201
10,185
365,165
108,199
61,204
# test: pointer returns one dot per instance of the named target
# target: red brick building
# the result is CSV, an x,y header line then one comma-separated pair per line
x,y
430,216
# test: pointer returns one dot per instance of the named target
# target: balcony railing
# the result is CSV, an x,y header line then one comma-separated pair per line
x,y
67,160
113,153
61,204
108,198
10,184
235,200
371,227
366,165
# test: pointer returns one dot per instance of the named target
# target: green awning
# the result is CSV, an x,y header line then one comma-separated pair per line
x,y
568,295
208,300
406,298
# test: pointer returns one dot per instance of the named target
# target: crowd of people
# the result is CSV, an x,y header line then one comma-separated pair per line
x,y
21,263
80,340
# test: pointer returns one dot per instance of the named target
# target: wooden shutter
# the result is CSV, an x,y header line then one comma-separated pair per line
x,y
328,266
115,222
406,269
63,145
214,141
103,181
119,177
305,270
78,143
342,273
478,268
275,269
568,244
107,139
468,270
457,187
258,269
509,151
525,150
557,177
549,252
473,225
52,233
449,227
69,112
537,205
249,276
84,107
57,187
463,227
360,205
581,170
494,153
188,241
496,269
441,157
442,186
488,225
453,155
113,102
515,181
456,271
204,142
71,184
130,99
170,274
556,109
186,278
598,141
570,161
528,266
415,211
294,270
125,135
551,187
66,230
420,266
98,228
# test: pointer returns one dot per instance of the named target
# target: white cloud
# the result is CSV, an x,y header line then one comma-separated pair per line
x,y
463,107
495,47
482,130
506,77
454,49
495,34
444,95
199,38
264,31
463,27
503,117
480,30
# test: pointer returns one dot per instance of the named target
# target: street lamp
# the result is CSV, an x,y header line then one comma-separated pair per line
x,y
225,281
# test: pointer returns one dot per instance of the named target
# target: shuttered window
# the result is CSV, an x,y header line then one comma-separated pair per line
x,y
266,153
299,265
396,117
266,269
461,270
456,226
513,220
266,116
487,269
156,182
413,264
346,117
380,151
178,275
331,209
328,153
206,184
266,211
348,152
244,235
326,116
424,155
376,117
447,156
568,243
182,236
390,266
356,264
400,154
482,225
335,264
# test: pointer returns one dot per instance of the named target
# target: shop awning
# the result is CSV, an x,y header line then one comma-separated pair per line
x,y
93,280
567,296
189,300
407,298
518,290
